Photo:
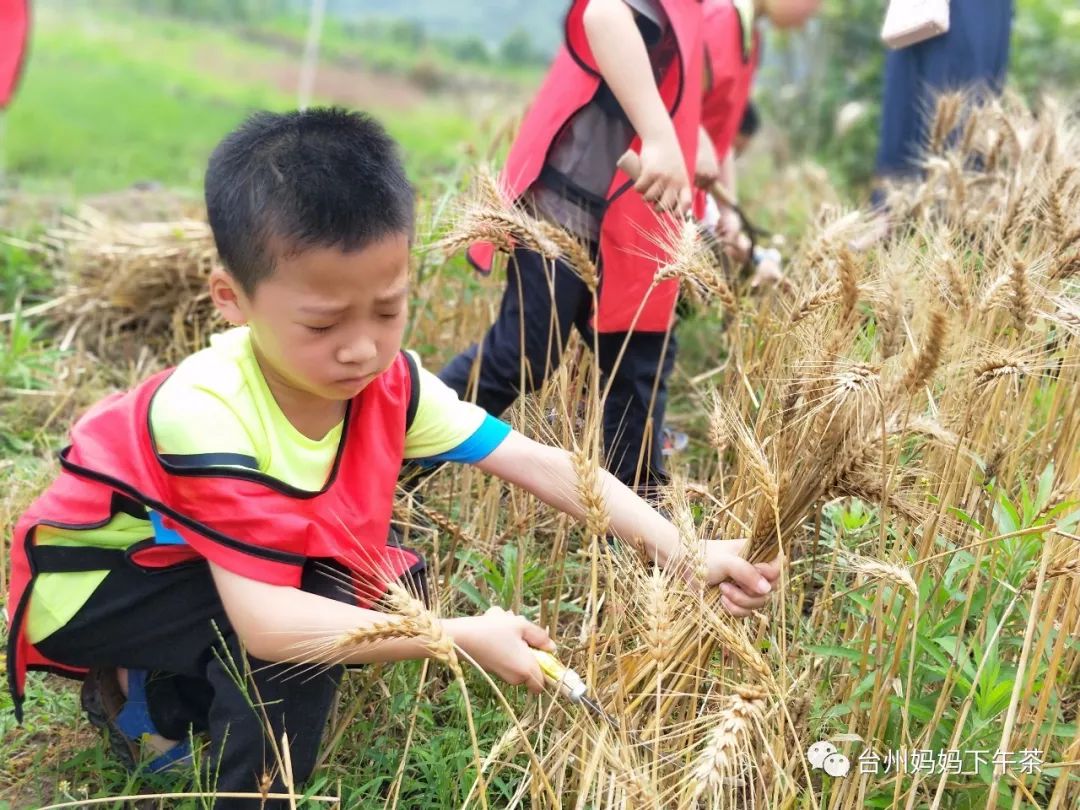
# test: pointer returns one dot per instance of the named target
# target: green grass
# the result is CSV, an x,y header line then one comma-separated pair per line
x,y
117,124
106,103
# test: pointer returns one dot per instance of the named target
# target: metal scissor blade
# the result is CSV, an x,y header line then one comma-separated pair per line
x,y
599,712
633,736
596,710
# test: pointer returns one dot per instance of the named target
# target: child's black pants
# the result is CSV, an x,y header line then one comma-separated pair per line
x,y
548,299
168,623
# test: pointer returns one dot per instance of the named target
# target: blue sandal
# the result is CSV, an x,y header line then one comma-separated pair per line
x,y
126,720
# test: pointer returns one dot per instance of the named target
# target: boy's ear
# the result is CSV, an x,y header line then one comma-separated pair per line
x,y
227,296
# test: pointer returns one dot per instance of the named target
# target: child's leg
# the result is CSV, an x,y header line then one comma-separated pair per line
x,y
543,300
972,56
247,722
160,626
171,624
644,369
179,703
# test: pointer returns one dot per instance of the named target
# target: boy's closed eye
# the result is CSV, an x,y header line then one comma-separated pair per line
x,y
319,329
394,302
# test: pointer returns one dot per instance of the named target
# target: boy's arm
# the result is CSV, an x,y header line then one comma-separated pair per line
x,y
623,61
728,176
280,623
730,228
549,474
708,169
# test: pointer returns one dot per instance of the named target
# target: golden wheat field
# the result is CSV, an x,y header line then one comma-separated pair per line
x,y
901,423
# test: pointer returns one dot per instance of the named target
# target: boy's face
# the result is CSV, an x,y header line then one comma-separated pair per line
x,y
790,13
325,322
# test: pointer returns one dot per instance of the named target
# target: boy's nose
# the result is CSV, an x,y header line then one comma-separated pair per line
x,y
359,350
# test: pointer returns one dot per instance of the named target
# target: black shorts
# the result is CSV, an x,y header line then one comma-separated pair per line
x,y
171,619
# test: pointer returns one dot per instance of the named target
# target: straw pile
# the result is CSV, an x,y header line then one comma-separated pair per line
x,y
133,287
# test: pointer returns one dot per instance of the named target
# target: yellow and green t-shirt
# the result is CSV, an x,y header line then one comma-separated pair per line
x,y
216,409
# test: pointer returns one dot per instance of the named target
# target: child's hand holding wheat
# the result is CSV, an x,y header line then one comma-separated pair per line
x,y
744,586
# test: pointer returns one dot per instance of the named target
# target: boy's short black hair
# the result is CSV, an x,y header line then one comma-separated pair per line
x,y
287,182
751,121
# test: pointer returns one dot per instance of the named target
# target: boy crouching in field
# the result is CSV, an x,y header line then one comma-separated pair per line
x,y
215,510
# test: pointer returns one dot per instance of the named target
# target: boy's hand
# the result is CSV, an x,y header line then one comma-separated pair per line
x,y
663,181
502,643
729,230
744,587
767,274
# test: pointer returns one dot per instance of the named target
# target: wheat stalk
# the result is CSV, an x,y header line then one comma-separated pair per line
x,y
946,117
730,744
1020,299
926,361
597,517
878,569
814,302
1071,568
575,253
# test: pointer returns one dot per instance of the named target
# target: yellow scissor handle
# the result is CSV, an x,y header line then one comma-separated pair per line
x,y
549,665
560,675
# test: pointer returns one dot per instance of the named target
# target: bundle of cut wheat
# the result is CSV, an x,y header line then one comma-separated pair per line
x,y
130,286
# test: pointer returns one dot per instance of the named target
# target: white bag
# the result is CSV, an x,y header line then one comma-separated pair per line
x,y
910,21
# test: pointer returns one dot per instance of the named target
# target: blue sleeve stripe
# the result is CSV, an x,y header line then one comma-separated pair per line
x,y
478,446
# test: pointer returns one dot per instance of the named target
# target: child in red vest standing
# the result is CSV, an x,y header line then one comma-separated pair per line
x,y
732,53
627,77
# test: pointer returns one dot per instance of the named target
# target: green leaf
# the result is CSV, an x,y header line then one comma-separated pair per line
x,y
880,802
1046,486
1006,516
861,601
836,652
965,518
991,670
950,622
1065,730
997,699
921,709
864,684
1027,504
963,661
472,593
961,563
1070,520
837,711
929,647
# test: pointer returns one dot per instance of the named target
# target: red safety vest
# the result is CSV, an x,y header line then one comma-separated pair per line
x,y
240,519
731,58
14,22
731,53
628,250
